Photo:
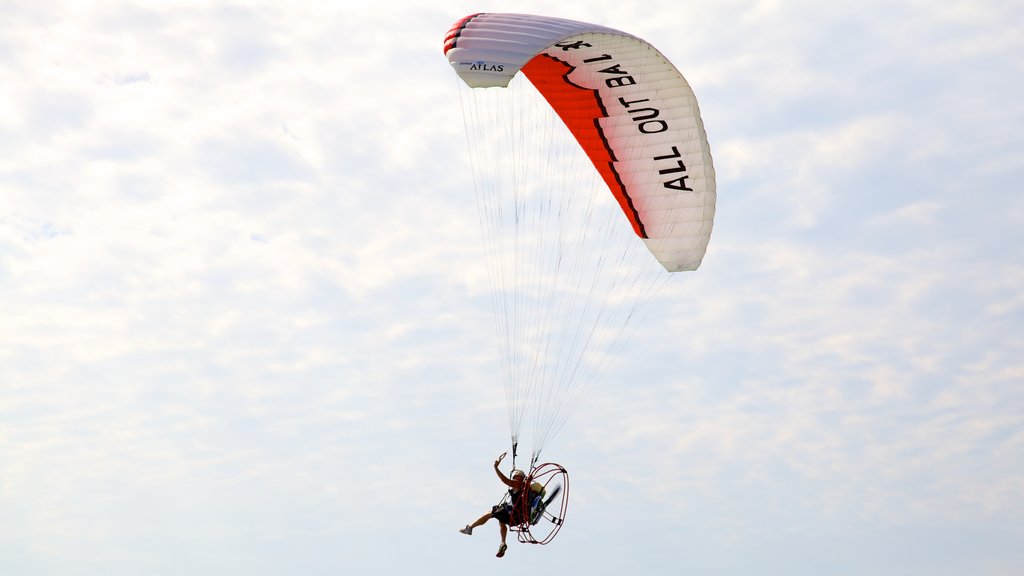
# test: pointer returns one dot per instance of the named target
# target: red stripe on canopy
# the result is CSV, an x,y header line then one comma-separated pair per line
x,y
581,109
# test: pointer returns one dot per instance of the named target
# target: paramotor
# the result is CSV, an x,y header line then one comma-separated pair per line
x,y
559,113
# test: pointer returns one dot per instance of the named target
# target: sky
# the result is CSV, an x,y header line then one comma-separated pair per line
x,y
243,328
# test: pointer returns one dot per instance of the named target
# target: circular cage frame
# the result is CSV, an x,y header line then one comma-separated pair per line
x,y
540,513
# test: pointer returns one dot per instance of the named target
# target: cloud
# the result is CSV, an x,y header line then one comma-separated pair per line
x,y
244,318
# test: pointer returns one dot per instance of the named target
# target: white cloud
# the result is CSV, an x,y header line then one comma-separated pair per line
x,y
243,315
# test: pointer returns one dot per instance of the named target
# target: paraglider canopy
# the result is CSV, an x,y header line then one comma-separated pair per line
x,y
629,108
555,109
